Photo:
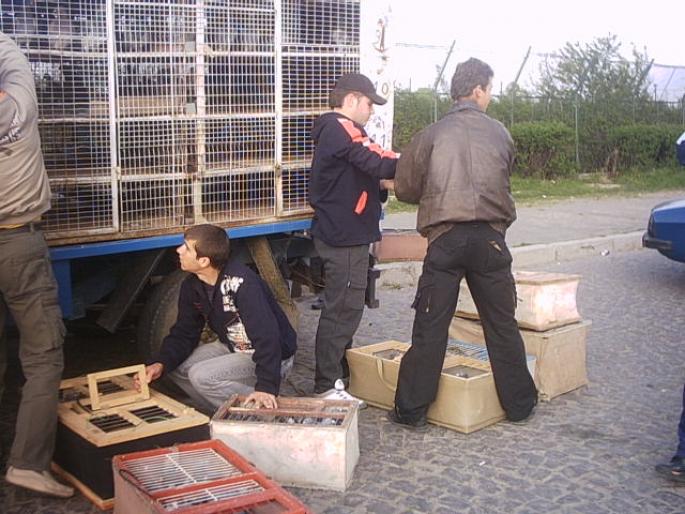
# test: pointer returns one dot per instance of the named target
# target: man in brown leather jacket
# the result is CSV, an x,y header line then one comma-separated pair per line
x,y
458,171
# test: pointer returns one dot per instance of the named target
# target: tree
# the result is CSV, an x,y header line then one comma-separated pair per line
x,y
604,88
594,71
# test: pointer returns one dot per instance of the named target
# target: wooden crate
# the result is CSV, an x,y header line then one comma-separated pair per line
x,y
543,300
560,354
198,478
305,442
104,414
466,401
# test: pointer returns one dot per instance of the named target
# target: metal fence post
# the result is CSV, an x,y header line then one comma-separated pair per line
x,y
575,107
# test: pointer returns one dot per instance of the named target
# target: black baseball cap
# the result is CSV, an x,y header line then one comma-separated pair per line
x,y
360,84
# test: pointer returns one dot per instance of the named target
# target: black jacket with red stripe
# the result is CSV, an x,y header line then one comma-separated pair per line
x,y
344,185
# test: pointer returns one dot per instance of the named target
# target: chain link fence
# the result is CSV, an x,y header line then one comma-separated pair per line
x,y
590,121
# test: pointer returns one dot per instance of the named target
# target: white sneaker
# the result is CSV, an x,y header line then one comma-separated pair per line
x,y
339,393
40,482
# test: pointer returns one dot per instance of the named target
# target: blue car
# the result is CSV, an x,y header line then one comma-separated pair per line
x,y
666,230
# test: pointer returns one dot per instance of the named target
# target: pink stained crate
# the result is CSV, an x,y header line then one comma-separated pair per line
x,y
305,442
543,300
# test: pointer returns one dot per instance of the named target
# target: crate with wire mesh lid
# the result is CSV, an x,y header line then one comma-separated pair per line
x,y
199,478
466,400
111,412
304,442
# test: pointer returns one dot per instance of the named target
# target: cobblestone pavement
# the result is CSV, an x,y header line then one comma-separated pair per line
x,y
589,451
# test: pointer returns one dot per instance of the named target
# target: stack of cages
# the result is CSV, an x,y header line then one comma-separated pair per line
x,y
156,115
67,47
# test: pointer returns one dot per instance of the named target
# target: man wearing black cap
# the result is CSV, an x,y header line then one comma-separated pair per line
x,y
348,179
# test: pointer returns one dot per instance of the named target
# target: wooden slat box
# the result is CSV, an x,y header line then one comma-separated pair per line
x,y
543,300
102,415
196,478
305,442
560,354
466,401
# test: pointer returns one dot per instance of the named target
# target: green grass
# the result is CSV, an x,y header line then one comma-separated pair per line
x,y
533,190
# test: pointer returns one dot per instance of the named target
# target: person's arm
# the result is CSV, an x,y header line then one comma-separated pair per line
x,y
411,170
16,77
183,337
262,329
357,148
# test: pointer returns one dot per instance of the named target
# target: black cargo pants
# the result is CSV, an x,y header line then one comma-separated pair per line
x,y
478,252
29,291
346,270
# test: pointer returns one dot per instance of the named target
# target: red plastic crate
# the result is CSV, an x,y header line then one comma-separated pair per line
x,y
196,478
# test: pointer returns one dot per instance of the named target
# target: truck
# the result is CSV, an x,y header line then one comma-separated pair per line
x,y
158,115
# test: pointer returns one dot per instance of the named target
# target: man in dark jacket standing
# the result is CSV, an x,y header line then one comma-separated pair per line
x,y
348,172
28,289
458,171
256,341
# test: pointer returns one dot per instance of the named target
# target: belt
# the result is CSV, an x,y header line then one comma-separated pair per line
x,y
29,227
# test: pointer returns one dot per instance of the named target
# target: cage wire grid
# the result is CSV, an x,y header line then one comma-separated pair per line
x,y
156,115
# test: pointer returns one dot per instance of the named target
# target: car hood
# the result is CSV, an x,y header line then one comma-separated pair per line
x,y
670,205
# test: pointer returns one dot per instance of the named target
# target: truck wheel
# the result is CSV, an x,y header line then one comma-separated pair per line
x,y
159,314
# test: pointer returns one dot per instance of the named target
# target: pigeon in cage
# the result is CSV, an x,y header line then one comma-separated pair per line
x,y
21,22
250,33
61,30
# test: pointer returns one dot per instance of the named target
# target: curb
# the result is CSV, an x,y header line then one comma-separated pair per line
x,y
404,274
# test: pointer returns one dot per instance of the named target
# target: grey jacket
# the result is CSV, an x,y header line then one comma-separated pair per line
x,y
23,180
457,170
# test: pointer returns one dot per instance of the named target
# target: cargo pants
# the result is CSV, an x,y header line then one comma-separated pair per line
x,y
477,252
346,274
28,291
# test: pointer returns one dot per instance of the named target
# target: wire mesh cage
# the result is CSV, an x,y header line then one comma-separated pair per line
x,y
155,115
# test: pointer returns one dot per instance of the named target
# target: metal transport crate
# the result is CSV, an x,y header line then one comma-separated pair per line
x,y
155,115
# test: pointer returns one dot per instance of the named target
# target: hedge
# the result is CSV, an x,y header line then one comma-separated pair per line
x,y
543,149
641,146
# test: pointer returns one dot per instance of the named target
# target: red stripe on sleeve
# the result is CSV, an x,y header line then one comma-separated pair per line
x,y
357,137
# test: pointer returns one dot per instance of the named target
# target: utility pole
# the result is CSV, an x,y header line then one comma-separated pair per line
x,y
514,84
438,79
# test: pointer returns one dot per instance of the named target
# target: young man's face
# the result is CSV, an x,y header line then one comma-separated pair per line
x,y
360,108
188,256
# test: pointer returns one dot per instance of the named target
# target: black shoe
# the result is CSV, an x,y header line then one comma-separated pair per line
x,y
673,470
523,421
418,425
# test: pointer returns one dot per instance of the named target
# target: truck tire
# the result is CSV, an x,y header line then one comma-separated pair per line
x,y
159,314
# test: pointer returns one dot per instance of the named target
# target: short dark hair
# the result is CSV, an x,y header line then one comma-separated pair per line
x,y
468,76
211,242
337,97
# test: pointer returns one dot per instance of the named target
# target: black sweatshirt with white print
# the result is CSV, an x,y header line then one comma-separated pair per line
x,y
243,313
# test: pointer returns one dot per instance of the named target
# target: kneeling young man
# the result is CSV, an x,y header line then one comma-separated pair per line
x,y
256,343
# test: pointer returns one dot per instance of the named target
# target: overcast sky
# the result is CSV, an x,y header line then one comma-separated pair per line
x,y
500,32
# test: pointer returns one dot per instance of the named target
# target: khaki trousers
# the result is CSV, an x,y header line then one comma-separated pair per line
x,y
28,290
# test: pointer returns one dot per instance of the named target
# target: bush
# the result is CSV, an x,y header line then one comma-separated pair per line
x,y
543,149
641,145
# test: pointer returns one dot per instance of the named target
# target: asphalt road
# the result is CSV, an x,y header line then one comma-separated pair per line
x,y
589,451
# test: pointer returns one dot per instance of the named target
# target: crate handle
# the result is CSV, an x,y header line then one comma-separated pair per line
x,y
105,401
381,376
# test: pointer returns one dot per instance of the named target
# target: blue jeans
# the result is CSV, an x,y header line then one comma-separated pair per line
x,y
212,374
